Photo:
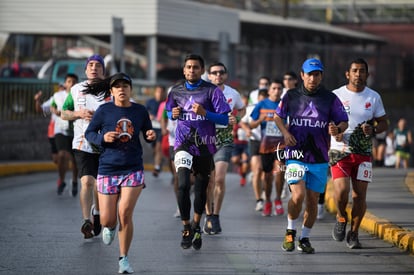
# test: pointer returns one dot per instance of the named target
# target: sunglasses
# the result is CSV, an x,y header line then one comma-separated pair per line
x,y
218,72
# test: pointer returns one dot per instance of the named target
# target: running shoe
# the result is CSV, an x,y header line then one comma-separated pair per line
x,y
108,235
124,266
61,187
215,225
279,208
321,212
289,241
187,237
97,227
207,225
259,205
86,229
338,232
267,209
156,172
74,188
197,241
352,240
242,181
305,246
177,213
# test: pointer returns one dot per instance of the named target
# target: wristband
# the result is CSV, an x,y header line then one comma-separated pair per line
x,y
238,118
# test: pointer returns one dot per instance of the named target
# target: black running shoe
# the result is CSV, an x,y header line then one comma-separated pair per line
x,y
187,234
305,246
74,188
338,232
352,240
197,241
215,222
61,187
97,227
156,172
86,229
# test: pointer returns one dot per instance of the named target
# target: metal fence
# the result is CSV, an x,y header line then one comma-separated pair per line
x,y
23,130
17,96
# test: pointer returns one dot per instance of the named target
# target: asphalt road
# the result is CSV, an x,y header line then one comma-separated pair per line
x,y
40,234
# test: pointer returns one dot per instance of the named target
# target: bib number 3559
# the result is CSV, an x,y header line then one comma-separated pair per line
x,y
183,159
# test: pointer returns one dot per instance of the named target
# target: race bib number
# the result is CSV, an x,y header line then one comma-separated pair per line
x,y
272,130
81,101
183,159
365,171
294,173
401,140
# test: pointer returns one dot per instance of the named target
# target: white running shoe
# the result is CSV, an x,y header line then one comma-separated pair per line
x,y
177,213
321,212
259,206
124,266
108,235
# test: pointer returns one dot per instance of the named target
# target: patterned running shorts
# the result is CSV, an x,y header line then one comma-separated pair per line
x,y
110,185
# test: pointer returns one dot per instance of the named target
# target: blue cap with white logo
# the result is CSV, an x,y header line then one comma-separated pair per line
x,y
311,65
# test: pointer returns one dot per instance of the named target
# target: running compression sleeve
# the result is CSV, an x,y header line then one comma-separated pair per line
x,y
222,119
169,115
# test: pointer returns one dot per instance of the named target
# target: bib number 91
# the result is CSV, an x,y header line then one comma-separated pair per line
x,y
365,171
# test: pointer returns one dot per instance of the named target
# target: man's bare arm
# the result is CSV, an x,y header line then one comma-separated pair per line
x,y
68,115
74,115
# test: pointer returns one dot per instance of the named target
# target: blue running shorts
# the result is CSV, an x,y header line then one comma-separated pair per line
x,y
315,175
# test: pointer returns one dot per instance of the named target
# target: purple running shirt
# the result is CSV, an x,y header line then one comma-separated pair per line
x,y
309,116
196,134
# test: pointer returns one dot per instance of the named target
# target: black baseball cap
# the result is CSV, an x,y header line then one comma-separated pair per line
x,y
120,76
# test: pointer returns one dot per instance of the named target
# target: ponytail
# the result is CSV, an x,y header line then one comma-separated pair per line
x,y
99,88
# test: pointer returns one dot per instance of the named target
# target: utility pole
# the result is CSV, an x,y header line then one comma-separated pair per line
x,y
285,11
117,45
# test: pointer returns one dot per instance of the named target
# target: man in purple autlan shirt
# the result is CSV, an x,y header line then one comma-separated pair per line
x,y
314,113
197,106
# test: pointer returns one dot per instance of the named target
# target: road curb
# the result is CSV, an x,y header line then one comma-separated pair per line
x,y
10,169
382,228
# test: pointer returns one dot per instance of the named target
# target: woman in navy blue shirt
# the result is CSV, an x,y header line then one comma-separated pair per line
x,y
115,128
